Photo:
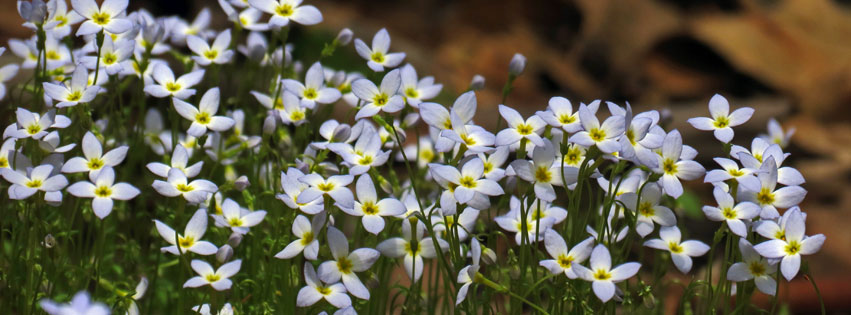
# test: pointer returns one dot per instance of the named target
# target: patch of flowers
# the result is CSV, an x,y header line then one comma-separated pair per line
x,y
301,187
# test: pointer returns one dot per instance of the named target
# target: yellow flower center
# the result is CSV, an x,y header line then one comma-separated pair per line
x,y
4,162
235,222
62,20
447,124
74,96
488,167
524,129
344,265
103,191
721,122
109,58
35,183
52,55
365,160
326,187
323,290
646,209
297,115
765,196
381,99
33,129
412,92
602,275
284,10
669,166
184,188
185,242
412,248
95,164
565,119
675,247
310,93
377,57
428,156
630,135
792,248
172,87
469,141
565,261
211,54
730,214
543,174
756,268
100,18
468,182
597,134
202,118
370,208
736,173
306,238
213,277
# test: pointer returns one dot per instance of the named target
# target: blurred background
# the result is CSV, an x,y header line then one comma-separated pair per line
x,y
788,59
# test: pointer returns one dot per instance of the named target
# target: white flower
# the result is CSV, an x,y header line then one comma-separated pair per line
x,y
283,11
345,264
204,309
539,209
237,218
672,168
762,151
180,161
469,180
33,125
518,128
560,114
604,136
413,247
641,132
564,258
649,210
203,118
293,188
94,159
365,154
764,192
681,252
81,304
377,56
191,238
110,16
445,223
370,208
7,72
468,274
113,55
730,169
378,99
177,184
167,85
776,134
334,186
139,292
205,54
103,190
543,173
753,267
731,212
792,246
535,228
601,274
7,149
63,19
39,179
722,120
316,290
218,279
475,138
493,163
313,90
417,91
199,26
307,233
50,143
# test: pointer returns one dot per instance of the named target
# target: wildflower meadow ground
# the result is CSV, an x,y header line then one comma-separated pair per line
x,y
156,165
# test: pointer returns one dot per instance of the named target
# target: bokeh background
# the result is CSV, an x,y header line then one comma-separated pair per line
x,y
789,59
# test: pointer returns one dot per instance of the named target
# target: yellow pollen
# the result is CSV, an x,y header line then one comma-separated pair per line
x,y
184,188
412,248
543,174
378,57
344,265
602,275
675,247
213,277
524,129
284,10
35,183
306,238
565,119
172,87
33,129
765,196
211,54
235,222
74,96
736,173
488,167
447,124
95,164
365,160
721,122
669,166
297,115
469,141
792,248
630,135
326,187
202,118
185,242
730,214
52,55
103,191
597,134
370,208
100,18
565,261
381,99
468,182
646,209
4,162
323,290
412,92
310,93
756,268
62,20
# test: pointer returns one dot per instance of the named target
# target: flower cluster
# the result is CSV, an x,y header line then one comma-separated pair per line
x,y
400,179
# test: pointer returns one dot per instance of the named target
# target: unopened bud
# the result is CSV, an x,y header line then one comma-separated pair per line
x,y
517,64
269,124
344,37
488,256
234,239
49,241
341,133
477,83
224,254
241,183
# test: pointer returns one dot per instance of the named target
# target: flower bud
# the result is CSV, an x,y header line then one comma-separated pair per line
x,y
344,37
224,254
269,124
152,32
341,133
477,83
234,239
517,65
488,256
410,119
241,183
49,241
